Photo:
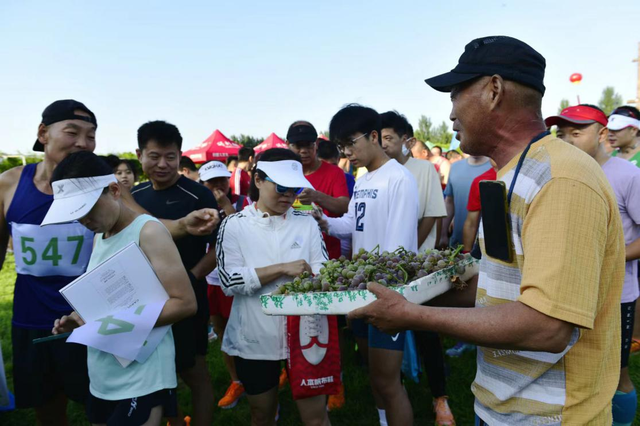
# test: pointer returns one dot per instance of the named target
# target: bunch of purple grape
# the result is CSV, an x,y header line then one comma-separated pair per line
x,y
390,269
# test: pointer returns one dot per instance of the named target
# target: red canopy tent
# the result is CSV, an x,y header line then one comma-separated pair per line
x,y
216,147
273,141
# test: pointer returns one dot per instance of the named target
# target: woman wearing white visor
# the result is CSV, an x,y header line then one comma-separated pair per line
x,y
624,133
259,248
86,190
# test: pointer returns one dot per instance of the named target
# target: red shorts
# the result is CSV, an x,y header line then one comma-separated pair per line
x,y
219,303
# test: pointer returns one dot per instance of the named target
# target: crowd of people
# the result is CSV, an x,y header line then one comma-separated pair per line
x,y
551,312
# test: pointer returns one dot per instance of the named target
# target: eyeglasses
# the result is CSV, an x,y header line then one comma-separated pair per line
x,y
283,189
349,143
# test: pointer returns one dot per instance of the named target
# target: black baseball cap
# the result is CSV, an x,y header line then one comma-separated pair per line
x,y
64,110
301,131
508,57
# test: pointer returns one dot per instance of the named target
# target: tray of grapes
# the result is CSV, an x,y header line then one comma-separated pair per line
x,y
340,287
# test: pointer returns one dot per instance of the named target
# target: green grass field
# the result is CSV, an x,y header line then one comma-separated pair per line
x,y
359,409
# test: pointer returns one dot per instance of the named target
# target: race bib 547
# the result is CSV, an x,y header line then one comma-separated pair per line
x,y
51,250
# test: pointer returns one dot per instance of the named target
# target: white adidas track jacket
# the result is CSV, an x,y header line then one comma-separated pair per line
x,y
251,239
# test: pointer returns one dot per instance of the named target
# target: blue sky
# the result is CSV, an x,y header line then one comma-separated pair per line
x,y
254,67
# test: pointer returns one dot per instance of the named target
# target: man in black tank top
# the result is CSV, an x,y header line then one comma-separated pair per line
x,y
169,195
45,375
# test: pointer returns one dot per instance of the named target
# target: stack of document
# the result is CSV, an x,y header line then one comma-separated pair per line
x,y
120,301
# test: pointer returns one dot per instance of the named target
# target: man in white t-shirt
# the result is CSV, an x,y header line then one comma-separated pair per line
x,y
383,213
396,138
396,134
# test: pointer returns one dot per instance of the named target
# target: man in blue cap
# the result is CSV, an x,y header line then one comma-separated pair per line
x,y
547,300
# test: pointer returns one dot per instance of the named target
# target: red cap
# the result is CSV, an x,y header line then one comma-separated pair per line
x,y
580,114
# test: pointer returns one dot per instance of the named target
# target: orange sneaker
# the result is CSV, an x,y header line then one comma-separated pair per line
x,y
336,402
232,395
187,421
635,345
444,416
283,378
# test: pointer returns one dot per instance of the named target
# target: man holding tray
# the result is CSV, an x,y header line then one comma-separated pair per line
x,y
383,212
547,302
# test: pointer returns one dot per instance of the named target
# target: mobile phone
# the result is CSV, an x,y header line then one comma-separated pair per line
x,y
495,220
51,338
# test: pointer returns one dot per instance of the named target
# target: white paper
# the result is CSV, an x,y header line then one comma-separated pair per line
x,y
122,282
122,334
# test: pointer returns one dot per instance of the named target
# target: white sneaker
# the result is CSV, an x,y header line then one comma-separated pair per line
x,y
212,335
314,337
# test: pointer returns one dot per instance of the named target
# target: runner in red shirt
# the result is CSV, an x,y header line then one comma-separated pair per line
x,y
330,185
240,178
471,224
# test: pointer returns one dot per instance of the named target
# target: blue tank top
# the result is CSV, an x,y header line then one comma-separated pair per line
x,y
47,258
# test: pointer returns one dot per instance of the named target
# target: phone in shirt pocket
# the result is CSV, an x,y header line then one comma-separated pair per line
x,y
495,220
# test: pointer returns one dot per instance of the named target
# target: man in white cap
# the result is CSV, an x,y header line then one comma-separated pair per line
x,y
215,176
624,133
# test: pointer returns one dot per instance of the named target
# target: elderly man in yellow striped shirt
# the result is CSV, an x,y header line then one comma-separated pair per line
x,y
545,308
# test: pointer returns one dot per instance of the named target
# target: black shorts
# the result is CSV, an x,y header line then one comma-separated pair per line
x,y
190,335
258,376
43,370
627,311
342,321
132,411
359,328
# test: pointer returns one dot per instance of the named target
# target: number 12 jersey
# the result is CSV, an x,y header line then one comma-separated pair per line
x,y
383,211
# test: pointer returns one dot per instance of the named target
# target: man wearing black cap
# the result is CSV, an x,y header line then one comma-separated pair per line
x,y
330,185
46,260
49,258
547,299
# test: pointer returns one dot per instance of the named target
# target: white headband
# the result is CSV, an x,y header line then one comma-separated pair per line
x,y
74,198
73,187
619,122
285,172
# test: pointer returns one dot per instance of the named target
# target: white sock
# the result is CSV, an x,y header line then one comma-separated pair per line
x,y
383,417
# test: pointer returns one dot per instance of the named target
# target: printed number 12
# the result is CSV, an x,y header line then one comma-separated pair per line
x,y
360,211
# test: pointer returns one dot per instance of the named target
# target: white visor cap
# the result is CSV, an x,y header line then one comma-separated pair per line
x,y
619,122
74,198
287,173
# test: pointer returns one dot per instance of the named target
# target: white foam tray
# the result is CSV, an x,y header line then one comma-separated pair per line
x,y
342,302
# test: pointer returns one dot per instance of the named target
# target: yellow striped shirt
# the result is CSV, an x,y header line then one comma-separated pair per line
x,y
568,252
